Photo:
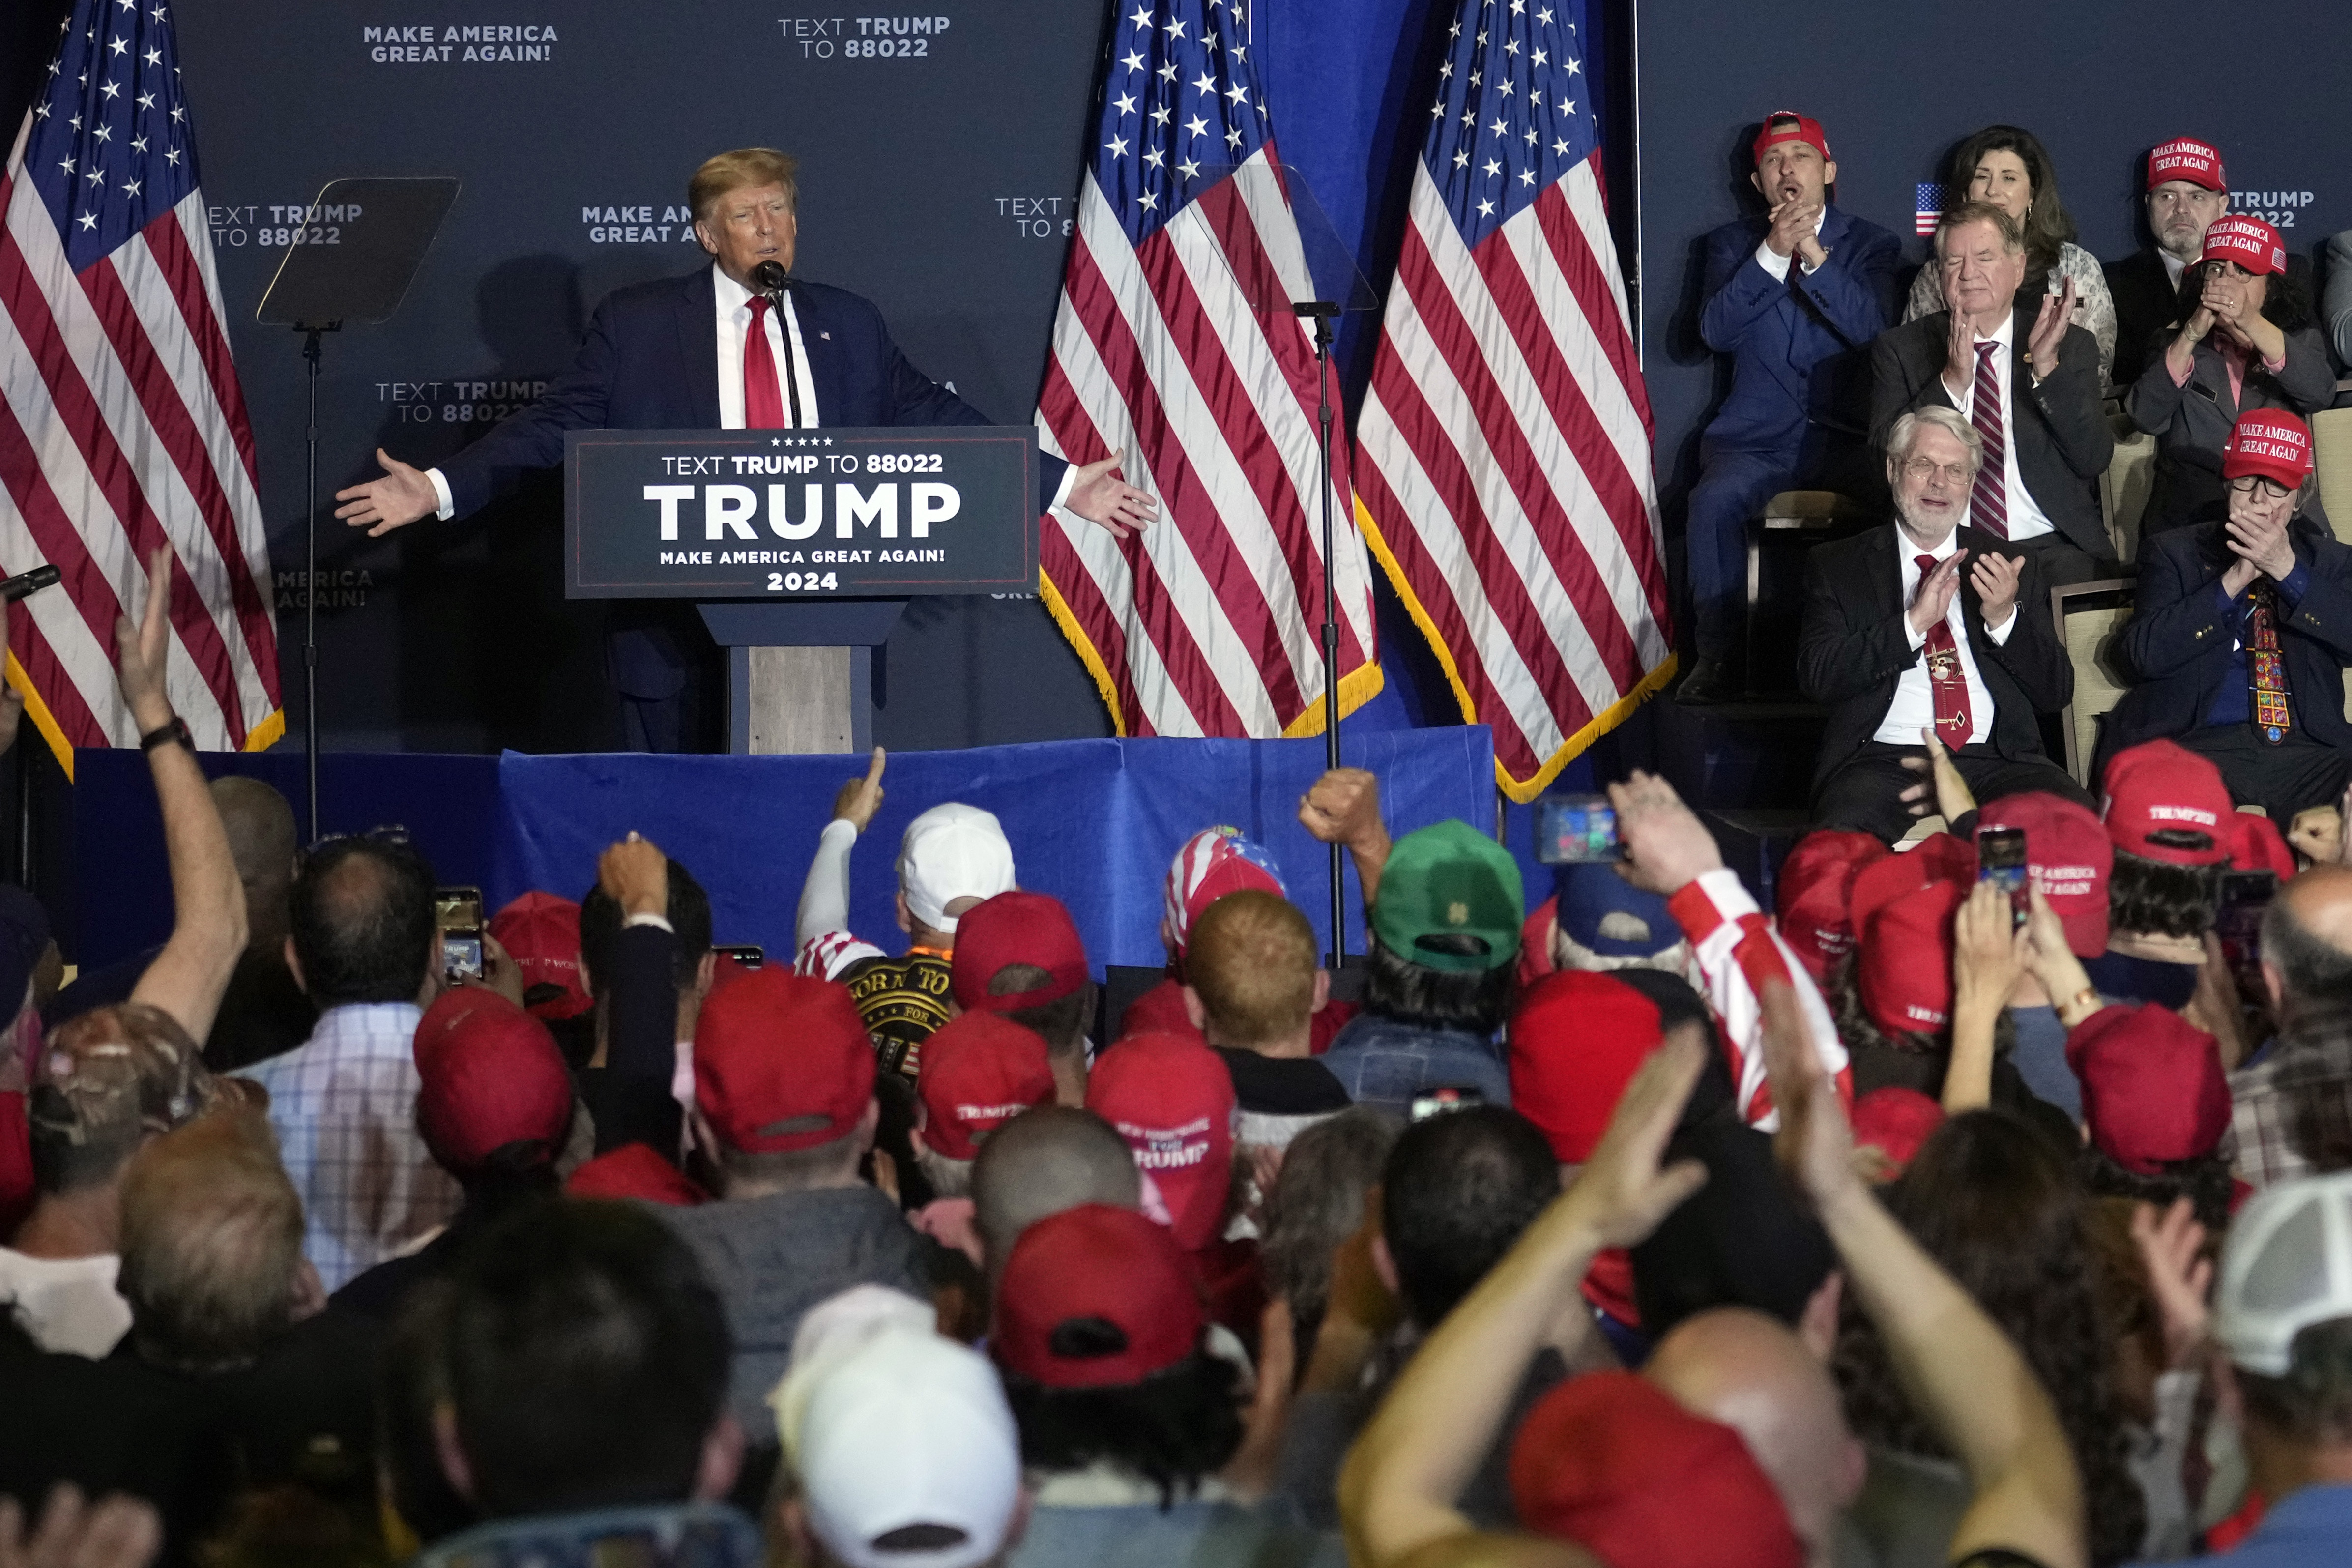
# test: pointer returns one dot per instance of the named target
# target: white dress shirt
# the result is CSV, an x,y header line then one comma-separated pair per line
x,y
1778,265
2025,518
1913,707
734,327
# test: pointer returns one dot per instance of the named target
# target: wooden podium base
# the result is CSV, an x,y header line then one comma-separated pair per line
x,y
800,677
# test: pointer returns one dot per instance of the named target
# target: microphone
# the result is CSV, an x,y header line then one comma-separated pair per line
x,y
775,283
24,583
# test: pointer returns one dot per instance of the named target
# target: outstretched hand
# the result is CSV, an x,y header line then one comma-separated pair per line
x,y
1953,798
1620,1192
2049,326
1099,495
395,500
116,1532
2171,1248
1664,845
1815,1142
142,651
634,874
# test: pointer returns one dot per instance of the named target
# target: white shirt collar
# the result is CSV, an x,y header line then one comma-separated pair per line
x,y
1912,552
733,296
2173,266
2004,334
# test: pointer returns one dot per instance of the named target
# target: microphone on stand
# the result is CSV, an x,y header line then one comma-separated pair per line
x,y
776,283
24,583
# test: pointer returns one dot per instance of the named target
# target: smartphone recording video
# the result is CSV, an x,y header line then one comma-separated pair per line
x,y
2000,860
458,913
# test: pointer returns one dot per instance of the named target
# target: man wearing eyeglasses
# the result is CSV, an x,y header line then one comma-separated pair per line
x,y
1929,627
2242,628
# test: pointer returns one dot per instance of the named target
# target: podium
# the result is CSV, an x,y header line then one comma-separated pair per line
x,y
800,549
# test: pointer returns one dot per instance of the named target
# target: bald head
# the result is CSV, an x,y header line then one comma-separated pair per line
x,y
260,827
1042,1162
2307,941
1755,1376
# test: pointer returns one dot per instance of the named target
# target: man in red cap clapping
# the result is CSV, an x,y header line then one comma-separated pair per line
x,y
1793,295
2242,629
2187,190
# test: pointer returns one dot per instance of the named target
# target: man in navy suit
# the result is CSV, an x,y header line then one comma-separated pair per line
x,y
2242,630
1794,297
704,351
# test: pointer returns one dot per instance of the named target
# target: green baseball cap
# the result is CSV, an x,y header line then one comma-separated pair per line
x,y
1450,880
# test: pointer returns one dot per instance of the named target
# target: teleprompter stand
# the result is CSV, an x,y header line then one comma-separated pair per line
x,y
354,269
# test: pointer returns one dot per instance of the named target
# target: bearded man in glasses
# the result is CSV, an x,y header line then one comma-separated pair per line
x,y
2242,628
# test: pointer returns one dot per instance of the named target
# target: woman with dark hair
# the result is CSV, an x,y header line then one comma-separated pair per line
x,y
2007,166
2243,337
1996,1203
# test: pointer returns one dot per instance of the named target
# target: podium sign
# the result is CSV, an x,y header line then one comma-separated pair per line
x,y
787,515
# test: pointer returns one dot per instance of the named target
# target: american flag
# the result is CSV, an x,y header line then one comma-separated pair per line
x,y
1932,199
122,426
1208,623
1503,460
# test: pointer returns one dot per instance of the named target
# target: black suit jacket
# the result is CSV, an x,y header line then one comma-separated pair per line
x,y
2179,641
1853,648
2144,296
2059,429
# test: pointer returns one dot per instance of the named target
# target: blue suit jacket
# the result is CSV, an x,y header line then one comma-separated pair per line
x,y
650,362
1799,347
2178,642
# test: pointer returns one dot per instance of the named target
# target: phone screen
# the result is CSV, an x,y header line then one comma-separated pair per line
x,y
749,954
461,953
2000,860
2245,898
455,908
1438,1102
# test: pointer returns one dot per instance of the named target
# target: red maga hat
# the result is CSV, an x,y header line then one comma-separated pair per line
x,y
1815,885
1577,1040
1787,125
2247,241
1896,1121
2068,854
2255,845
781,1062
1017,928
978,1072
2153,1090
2162,787
1610,1461
2271,443
1095,1297
541,933
1171,1099
1905,969
488,1074
2186,158
1939,857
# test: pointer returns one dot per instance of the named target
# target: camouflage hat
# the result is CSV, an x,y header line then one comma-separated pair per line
x,y
118,1076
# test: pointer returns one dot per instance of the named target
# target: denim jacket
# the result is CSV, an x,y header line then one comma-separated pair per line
x,y
669,1535
1381,1062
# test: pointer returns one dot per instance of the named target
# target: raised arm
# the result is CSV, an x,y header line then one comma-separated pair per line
x,y
641,1002
208,934
1398,1489
1961,1375
1343,806
825,897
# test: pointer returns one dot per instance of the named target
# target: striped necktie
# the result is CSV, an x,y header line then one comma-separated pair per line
x,y
1988,502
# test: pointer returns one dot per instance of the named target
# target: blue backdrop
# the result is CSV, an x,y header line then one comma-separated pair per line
x,y
1094,823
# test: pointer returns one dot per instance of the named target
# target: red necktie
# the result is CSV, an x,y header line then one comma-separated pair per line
x,y
1954,721
763,401
1988,502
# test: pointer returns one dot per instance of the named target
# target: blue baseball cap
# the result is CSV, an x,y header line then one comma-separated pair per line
x,y
1603,913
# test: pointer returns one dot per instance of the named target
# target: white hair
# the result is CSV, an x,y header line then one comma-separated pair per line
x,y
1905,436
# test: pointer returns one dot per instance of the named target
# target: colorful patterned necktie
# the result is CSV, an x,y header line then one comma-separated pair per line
x,y
764,399
1988,502
1954,721
2265,670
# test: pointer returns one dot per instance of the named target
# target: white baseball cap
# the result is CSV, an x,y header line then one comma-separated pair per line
x,y
2287,1264
952,851
829,1333
909,1437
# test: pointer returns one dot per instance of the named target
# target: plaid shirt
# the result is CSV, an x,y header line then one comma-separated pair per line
x,y
2293,1110
344,1108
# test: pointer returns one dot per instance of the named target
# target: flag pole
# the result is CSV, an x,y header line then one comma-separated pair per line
x,y
1321,312
312,332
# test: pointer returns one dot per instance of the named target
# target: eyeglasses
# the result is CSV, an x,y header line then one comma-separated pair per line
x,y
1919,470
2248,484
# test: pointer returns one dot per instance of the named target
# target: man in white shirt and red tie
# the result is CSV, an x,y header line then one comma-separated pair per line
x,y
708,352
1928,626
2027,380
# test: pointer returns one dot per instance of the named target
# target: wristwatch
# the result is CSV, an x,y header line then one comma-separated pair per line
x,y
177,729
